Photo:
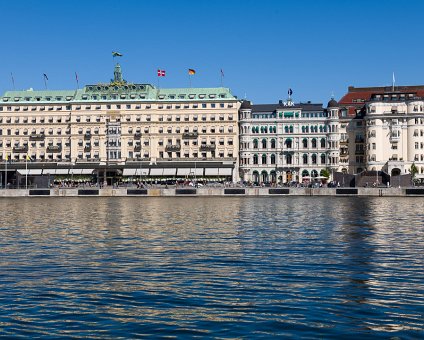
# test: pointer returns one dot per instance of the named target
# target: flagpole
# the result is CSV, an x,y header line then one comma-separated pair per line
x,y
26,172
45,81
76,78
13,81
189,80
5,175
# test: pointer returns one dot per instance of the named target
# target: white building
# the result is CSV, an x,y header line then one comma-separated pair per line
x,y
288,142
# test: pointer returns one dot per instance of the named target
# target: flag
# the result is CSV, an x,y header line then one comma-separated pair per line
x,y
28,158
290,92
191,71
76,77
7,157
222,72
161,73
116,54
45,76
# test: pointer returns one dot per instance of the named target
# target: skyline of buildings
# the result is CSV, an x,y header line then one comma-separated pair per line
x,y
116,129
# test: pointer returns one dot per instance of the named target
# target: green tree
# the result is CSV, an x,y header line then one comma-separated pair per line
x,y
325,173
414,170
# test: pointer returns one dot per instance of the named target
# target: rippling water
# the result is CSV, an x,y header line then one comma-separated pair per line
x,y
301,267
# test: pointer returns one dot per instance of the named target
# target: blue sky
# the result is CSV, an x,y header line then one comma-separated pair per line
x,y
264,47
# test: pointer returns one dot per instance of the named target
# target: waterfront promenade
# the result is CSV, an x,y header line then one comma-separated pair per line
x,y
211,191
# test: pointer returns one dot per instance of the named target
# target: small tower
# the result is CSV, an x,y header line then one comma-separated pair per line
x,y
117,74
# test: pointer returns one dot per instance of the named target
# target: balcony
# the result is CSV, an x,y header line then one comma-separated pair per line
x,y
172,148
359,152
190,135
37,136
87,135
20,149
54,148
137,135
87,148
210,147
344,141
137,147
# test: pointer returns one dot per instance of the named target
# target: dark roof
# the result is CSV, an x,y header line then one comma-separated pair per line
x,y
274,107
246,104
332,103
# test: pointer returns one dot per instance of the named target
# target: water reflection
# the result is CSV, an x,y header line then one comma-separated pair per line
x,y
224,267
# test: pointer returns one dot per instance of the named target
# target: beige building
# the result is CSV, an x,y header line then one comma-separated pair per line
x,y
130,129
394,131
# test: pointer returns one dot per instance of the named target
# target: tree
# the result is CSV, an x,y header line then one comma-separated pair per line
x,y
414,170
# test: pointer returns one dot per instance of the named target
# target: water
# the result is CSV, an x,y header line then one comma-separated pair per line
x,y
300,267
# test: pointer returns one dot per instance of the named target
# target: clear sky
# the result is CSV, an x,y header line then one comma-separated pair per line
x,y
264,47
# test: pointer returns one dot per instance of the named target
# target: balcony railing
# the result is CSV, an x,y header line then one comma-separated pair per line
x,y
137,135
190,135
173,148
37,136
210,147
359,152
87,135
137,147
54,148
20,149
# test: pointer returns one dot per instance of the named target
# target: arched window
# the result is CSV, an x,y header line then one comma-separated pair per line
x,y
286,129
255,143
289,144
255,159
314,143
253,129
264,159
303,129
305,143
289,158
291,128
323,143
323,158
273,159
264,143
262,129
314,159
255,176
320,128
305,158
305,173
273,143
314,173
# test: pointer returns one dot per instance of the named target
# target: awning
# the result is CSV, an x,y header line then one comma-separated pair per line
x,y
129,172
62,171
86,171
156,172
141,172
211,172
183,171
225,171
31,171
197,171
23,172
75,172
169,172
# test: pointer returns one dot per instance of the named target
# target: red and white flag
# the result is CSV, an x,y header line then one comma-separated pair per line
x,y
161,73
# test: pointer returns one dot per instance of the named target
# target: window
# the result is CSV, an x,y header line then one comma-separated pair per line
x,y
255,159
305,143
305,158
264,159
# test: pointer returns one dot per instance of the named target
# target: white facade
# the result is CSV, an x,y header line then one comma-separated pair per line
x,y
288,143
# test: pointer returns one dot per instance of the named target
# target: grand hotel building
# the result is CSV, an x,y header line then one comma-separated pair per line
x,y
121,129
